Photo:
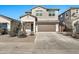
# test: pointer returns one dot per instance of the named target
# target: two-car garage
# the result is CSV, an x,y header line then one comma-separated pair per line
x,y
46,27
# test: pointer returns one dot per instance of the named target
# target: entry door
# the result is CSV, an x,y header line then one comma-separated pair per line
x,y
32,27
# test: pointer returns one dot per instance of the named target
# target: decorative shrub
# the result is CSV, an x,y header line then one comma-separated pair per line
x,y
3,31
21,34
12,34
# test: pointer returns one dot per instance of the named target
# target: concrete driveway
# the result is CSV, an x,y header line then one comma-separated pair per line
x,y
52,42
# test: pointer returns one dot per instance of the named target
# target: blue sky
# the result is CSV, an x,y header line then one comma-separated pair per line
x,y
15,11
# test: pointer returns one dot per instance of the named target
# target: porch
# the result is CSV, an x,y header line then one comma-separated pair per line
x,y
29,27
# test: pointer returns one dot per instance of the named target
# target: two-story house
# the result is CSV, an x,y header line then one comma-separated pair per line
x,y
67,17
41,20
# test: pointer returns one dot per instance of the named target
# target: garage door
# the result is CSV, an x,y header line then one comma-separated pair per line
x,y
46,28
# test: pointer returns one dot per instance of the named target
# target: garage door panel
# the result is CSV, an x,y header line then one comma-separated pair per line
x,y
46,28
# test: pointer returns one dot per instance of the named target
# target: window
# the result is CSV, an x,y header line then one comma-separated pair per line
x,y
76,10
66,14
3,25
51,13
0,25
38,14
38,10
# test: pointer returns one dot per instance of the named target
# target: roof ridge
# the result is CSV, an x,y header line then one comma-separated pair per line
x,y
9,18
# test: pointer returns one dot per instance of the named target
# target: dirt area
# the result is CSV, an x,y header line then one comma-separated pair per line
x,y
16,45
7,38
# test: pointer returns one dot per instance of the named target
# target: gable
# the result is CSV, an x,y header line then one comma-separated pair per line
x,y
4,20
28,18
39,8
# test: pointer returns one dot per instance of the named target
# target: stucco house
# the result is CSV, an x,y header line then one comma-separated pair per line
x,y
41,19
66,18
8,23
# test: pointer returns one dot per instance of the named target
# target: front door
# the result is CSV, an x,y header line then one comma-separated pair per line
x,y
31,27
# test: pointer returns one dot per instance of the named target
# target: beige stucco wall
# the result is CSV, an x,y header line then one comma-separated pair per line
x,y
45,16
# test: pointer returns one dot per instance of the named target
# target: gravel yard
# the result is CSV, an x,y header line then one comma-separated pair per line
x,y
16,45
7,38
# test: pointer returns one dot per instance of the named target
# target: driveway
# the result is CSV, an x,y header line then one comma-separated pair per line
x,y
52,42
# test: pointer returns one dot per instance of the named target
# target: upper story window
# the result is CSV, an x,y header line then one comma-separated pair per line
x,y
51,13
77,11
39,13
66,13
38,10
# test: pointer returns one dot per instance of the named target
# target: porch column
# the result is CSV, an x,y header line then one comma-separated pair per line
x,y
34,27
22,26
57,27
9,26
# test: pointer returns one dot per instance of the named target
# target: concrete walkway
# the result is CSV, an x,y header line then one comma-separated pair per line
x,y
55,43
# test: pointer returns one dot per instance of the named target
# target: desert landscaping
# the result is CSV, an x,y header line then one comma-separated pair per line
x,y
43,42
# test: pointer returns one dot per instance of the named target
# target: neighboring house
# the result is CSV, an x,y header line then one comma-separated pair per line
x,y
47,19
8,23
67,18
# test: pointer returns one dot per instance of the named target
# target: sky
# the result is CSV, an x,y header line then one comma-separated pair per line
x,y
15,11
